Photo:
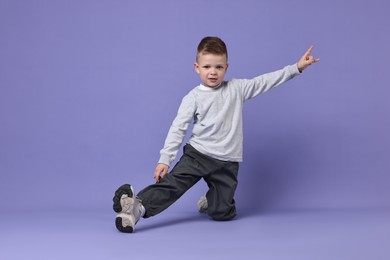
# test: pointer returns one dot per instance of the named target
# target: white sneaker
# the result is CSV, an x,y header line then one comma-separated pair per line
x,y
202,204
128,207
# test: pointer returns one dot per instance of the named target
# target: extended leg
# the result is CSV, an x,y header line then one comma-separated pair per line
x,y
159,196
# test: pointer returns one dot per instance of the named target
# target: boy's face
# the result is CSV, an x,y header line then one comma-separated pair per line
x,y
211,68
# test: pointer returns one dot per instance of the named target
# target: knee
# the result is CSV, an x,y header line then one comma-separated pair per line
x,y
223,218
223,215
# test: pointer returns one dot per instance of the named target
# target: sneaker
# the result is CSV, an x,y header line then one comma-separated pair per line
x,y
202,204
128,207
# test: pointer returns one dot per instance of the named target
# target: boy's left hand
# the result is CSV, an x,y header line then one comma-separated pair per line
x,y
307,60
160,172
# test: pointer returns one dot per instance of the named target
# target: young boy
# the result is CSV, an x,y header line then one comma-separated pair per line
x,y
214,149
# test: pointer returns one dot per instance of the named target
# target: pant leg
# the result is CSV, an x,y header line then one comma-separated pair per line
x,y
222,186
159,196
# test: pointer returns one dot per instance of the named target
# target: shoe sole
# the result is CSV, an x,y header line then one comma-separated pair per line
x,y
121,228
122,190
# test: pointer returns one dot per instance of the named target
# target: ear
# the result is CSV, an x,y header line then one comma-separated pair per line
x,y
196,66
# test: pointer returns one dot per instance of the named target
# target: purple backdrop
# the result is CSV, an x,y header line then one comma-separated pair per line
x,y
88,90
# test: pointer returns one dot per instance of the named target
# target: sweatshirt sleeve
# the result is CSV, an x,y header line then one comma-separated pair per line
x,y
178,130
258,85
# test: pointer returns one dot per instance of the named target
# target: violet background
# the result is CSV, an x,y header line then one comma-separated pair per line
x,y
88,90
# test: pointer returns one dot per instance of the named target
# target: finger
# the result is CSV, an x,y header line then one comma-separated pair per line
x,y
308,52
163,173
313,60
156,175
157,178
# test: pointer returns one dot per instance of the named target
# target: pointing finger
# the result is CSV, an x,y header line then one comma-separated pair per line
x,y
309,51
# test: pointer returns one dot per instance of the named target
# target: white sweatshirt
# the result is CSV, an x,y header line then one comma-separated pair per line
x,y
217,116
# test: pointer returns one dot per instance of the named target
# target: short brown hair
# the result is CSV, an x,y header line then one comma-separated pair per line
x,y
213,45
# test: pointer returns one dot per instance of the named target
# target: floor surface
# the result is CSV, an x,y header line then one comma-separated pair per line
x,y
277,235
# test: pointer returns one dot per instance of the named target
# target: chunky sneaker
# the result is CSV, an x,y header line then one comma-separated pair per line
x,y
202,204
128,207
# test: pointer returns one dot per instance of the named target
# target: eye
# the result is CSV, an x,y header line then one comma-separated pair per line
x,y
206,66
220,67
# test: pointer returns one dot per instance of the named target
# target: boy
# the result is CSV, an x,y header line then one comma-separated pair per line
x,y
214,149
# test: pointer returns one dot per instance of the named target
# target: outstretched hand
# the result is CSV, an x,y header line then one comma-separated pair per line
x,y
160,172
307,59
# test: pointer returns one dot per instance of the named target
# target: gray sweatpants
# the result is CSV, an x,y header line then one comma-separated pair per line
x,y
220,176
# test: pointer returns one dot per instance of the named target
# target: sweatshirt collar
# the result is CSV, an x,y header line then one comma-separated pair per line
x,y
204,88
